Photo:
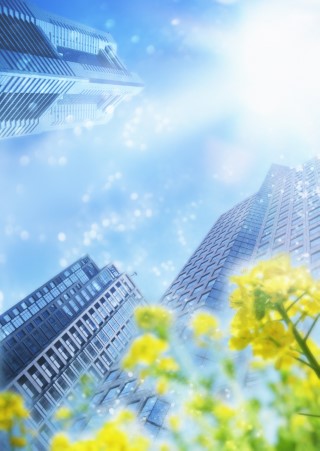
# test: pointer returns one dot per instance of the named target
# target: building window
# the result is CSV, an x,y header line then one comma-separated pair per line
x,y
128,388
112,394
27,386
37,377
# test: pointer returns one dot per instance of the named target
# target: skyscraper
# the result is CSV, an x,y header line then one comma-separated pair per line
x,y
77,323
55,73
283,216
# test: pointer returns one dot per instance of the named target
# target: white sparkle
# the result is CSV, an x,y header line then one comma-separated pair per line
x,y
24,160
86,198
62,161
150,49
63,262
62,236
110,23
77,131
134,196
175,22
24,235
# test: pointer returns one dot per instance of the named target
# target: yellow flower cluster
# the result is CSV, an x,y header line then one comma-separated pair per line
x,y
12,410
63,414
265,299
205,327
276,282
154,318
145,350
201,403
115,435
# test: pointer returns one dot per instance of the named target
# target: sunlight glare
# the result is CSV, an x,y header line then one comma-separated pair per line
x,y
275,62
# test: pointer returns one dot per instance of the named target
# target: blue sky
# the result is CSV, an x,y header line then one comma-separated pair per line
x,y
225,96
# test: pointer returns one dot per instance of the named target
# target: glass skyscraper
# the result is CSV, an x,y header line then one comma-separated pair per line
x,y
55,73
77,323
283,216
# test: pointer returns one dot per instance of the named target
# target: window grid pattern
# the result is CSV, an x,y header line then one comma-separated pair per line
x,y
36,44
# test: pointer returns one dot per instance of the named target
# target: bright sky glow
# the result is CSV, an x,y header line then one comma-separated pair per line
x,y
275,65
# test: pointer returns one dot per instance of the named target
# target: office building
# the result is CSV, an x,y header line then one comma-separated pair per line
x,y
79,322
283,216
55,73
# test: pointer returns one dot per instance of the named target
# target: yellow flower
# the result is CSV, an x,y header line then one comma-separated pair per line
x,y
223,412
174,423
276,278
239,343
167,364
60,442
200,403
144,350
162,386
164,447
205,324
18,442
153,318
125,416
64,413
139,443
113,438
115,435
12,409
273,340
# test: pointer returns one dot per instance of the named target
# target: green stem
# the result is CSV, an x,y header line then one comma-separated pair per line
x,y
304,363
303,345
294,302
311,328
309,415
299,319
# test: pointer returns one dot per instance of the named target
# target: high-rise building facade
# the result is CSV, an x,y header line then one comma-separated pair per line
x,y
55,73
77,323
282,217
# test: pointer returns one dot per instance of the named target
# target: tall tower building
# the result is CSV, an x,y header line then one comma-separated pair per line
x,y
55,73
77,323
283,216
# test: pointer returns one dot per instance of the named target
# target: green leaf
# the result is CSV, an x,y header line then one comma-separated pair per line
x,y
259,305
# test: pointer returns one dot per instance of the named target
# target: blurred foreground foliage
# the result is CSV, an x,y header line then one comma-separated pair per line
x,y
277,307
